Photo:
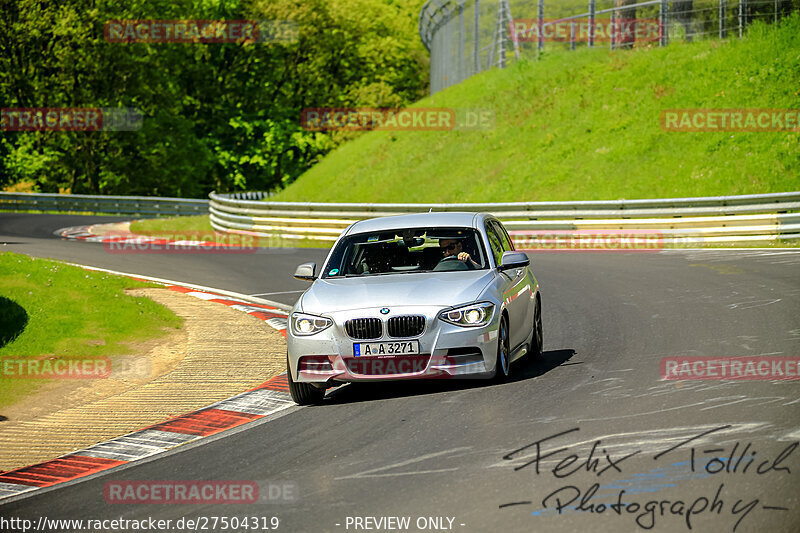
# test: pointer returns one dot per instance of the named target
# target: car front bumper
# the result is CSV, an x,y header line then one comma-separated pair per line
x,y
446,351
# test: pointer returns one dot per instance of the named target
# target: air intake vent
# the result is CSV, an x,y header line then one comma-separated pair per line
x,y
406,326
364,328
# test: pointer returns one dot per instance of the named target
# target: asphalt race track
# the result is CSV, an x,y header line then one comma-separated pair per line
x,y
263,272
503,457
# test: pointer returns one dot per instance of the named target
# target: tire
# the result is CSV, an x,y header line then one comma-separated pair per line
x,y
502,367
537,342
303,393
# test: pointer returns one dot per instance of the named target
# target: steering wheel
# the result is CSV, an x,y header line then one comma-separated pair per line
x,y
450,263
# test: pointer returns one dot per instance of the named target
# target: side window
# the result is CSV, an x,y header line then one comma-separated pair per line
x,y
495,242
508,244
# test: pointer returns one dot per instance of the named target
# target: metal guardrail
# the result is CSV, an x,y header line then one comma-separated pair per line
x,y
755,217
116,205
687,220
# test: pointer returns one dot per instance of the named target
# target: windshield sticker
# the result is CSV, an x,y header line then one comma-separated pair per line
x,y
333,272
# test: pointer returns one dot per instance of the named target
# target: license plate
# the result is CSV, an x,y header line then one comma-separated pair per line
x,y
363,349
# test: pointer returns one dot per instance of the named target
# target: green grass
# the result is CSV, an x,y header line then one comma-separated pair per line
x,y
51,309
172,225
585,125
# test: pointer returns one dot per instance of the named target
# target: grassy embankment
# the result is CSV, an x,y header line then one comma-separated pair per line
x,y
585,125
49,310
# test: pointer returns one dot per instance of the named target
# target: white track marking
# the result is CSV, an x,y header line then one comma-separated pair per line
x,y
273,293
372,472
222,292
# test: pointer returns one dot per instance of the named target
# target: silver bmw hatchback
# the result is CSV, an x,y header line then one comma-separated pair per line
x,y
426,296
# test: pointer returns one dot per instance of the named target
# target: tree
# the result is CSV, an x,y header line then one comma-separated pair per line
x,y
216,116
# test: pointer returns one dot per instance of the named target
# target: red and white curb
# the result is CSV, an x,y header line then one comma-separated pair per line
x,y
273,316
123,238
264,401
81,233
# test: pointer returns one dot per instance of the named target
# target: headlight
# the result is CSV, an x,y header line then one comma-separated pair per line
x,y
303,324
473,315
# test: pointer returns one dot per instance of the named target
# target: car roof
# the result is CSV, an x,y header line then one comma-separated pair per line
x,y
419,220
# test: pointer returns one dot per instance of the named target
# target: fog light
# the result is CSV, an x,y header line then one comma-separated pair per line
x,y
315,363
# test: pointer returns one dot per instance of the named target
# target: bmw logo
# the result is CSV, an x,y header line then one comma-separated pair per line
x,y
385,311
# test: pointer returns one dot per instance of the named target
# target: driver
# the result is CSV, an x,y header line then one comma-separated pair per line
x,y
455,248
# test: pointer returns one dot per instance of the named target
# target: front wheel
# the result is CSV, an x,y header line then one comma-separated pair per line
x,y
537,342
303,393
502,366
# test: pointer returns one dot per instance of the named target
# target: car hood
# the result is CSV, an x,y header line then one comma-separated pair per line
x,y
429,288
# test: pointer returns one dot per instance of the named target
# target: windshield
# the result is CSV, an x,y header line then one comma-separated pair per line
x,y
405,251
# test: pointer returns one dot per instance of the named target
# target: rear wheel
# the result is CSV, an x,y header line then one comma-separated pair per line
x,y
304,393
502,366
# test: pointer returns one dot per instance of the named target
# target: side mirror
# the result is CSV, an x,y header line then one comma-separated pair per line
x,y
513,260
306,272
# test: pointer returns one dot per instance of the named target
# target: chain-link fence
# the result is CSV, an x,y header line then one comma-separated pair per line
x,y
465,37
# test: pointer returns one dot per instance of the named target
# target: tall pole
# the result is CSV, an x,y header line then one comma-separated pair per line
x,y
742,17
592,9
461,69
477,52
540,22
722,14
572,35
514,39
612,29
500,36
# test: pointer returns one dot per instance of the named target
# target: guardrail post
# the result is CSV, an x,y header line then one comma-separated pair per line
x,y
592,17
